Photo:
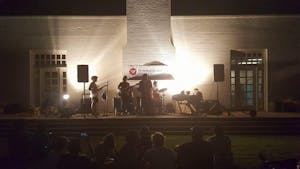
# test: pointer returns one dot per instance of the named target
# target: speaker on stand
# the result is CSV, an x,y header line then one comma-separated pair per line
x,y
83,76
218,77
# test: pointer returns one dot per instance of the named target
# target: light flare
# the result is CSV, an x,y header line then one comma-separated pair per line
x,y
189,72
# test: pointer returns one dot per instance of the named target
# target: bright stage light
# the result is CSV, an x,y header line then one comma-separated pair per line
x,y
188,71
66,96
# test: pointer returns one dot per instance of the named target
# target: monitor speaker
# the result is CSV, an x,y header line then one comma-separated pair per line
x,y
82,73
218,72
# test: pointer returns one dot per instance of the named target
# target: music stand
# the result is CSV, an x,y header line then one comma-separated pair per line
x,y
106,101
163,90
83,106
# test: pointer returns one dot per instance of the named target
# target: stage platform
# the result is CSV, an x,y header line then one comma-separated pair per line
x,y
236,123
236,114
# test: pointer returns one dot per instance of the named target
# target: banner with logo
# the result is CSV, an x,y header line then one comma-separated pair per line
x,y
156,71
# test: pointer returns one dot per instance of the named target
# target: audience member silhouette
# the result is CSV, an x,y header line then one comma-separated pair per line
x,y
129,153
40,142
94,90
105,153
74,159
19,146
124,88
59,149
145,139
157,100
221,146
159,157
195,154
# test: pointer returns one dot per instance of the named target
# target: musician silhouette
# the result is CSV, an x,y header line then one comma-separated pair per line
x,y
156,98
145,87
124,88
198,102
94,94
198,94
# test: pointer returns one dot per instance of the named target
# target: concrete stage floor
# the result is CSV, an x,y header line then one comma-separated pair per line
x,y
271,123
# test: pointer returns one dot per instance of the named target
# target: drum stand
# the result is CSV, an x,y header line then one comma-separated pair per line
x,y
163,106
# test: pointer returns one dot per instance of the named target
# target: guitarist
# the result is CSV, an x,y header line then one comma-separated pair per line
x,y
124,88
94,90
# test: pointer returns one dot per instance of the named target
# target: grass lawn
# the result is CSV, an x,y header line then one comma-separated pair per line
x,y
247,147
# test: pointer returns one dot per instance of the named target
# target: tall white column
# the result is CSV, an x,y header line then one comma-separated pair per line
x,y
148,32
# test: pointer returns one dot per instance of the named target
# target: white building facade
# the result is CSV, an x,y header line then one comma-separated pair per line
x,y
250,47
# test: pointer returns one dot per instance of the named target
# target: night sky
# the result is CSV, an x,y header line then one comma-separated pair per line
x,y
118,7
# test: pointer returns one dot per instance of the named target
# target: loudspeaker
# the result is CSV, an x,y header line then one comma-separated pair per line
x,y
218,72
82,73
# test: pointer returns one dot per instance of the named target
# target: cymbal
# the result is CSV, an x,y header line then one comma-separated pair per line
x,y
162,90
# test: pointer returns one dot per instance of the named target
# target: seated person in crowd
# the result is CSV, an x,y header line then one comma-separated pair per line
x,y
196,154
159,157
74,159
105,152
129,153
221,146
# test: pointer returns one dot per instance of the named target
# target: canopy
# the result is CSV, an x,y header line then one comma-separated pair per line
x,y
162,76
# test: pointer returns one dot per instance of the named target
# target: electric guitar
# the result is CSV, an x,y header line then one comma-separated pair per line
x,y
95,91
127,90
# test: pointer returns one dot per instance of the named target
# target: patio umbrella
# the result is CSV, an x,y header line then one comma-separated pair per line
x,y
161,76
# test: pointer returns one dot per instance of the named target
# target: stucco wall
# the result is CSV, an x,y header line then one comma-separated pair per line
x,y
96,41
212,37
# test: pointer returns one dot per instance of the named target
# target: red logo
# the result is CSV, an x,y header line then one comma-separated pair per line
x,y
132,71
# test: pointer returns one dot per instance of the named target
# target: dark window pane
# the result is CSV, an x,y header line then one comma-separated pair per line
x,y
242,80
54,75
242,73
249,80
47,74
64,74
54,81
249,73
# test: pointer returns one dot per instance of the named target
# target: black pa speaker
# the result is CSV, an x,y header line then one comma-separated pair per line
x,y
82,73
218,72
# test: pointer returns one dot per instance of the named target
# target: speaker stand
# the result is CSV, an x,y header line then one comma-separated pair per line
x,y
217,92
83,101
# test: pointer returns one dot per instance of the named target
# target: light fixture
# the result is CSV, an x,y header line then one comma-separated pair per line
x,y
66,96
